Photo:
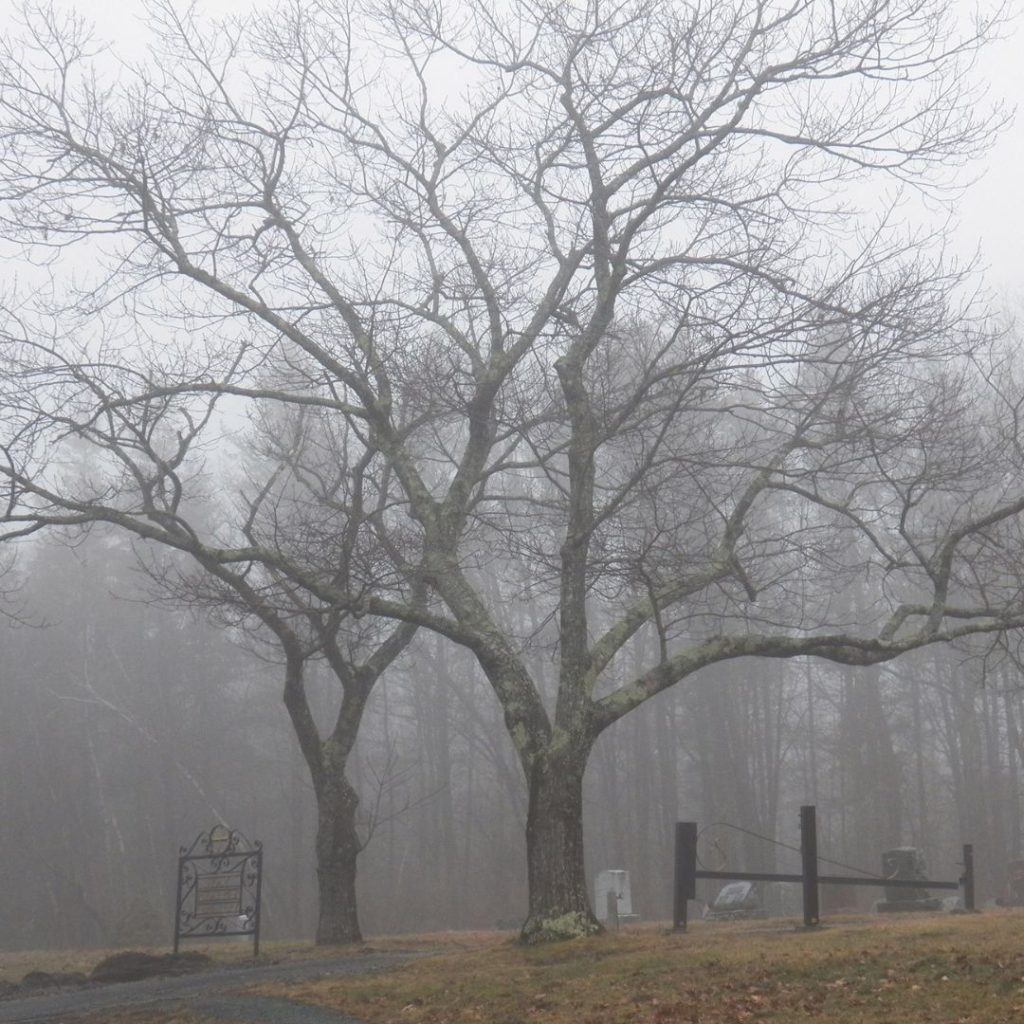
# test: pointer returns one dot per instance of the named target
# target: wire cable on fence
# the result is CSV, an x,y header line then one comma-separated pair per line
x,y
785,846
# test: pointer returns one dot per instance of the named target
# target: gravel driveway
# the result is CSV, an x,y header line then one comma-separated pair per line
x,y
208,992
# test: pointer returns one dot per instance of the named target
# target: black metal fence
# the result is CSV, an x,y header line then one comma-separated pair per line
x,y
687,872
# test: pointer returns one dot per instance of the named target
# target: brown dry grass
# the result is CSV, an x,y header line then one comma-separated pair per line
x,y
908,970
934,970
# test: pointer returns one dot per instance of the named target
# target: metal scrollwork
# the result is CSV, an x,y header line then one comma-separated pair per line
x,y
219,882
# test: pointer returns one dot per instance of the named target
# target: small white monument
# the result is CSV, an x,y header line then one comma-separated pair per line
x,y
613,902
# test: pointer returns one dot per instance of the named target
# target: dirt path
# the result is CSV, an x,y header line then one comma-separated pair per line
x,y
213,992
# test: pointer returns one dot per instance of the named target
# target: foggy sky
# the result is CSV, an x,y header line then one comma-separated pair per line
x,y
990,213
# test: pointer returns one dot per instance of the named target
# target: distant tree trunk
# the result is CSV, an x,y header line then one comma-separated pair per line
x,y
920,770
639,851
433,709
608,775
995,787
559,907
873,771
811,774
666,738
1013,756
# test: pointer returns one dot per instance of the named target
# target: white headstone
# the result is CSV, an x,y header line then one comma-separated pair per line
x,y
612,880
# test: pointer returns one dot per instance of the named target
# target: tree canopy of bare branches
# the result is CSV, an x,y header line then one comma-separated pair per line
x,y
610,309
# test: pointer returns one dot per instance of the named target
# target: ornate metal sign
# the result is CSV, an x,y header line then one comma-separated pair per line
x,y
219,881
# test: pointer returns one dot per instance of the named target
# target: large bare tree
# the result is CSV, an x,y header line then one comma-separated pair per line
x,y
621,298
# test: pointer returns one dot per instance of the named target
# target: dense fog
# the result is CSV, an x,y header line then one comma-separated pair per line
x,y
126,728
463,440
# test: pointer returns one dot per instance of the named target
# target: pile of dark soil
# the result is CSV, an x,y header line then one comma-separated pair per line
x,y
130,966
39,981
133,966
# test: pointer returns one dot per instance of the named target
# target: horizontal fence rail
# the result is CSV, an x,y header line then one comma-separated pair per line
x,y
764,876
687,873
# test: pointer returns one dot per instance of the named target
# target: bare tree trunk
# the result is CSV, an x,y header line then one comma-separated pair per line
x,y
559,907
337,848
337,838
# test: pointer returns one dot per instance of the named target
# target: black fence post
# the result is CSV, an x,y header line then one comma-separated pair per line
x,y
809,864
177,907
685,887
968,878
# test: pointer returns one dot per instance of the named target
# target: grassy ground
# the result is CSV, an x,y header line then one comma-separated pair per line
x,y
909,970
912,970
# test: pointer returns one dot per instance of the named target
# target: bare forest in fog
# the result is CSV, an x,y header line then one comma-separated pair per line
x,y
571,413
127,728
